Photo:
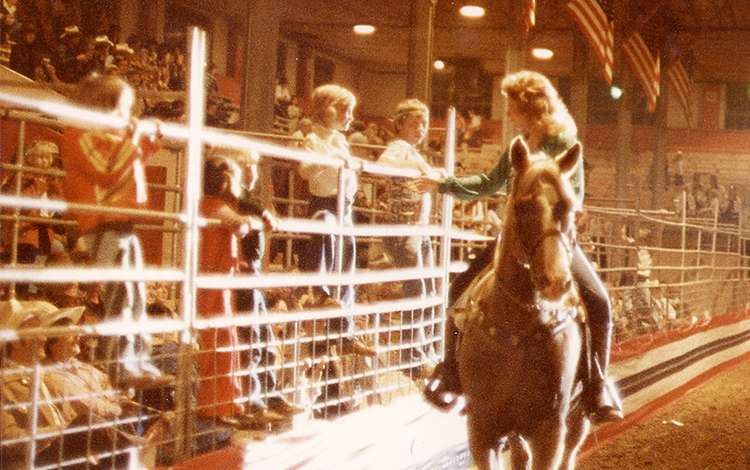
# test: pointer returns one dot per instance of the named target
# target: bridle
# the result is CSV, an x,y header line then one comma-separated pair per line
x,y
531,248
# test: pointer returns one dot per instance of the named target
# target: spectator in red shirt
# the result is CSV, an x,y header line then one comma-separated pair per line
x,y
106,168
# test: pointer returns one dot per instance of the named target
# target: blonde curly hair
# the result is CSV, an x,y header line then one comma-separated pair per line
x,y
533,95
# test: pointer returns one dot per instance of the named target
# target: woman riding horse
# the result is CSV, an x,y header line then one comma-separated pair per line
x,y
541,117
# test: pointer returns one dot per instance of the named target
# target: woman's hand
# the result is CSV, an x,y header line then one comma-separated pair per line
x,y
423,184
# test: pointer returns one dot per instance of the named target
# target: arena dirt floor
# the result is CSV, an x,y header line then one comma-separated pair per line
x,y
709,429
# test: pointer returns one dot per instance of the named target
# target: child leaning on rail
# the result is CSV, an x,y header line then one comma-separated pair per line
x,y
265,398
220,387
412,121
34,239
332,113
106,168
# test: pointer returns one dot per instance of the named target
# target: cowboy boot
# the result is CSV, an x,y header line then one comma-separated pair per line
x,y
444,385
602,400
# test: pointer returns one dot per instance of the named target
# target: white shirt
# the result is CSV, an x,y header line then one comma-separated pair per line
x,y
324,180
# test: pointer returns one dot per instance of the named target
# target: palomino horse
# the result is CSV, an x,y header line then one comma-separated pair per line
x,y
522,329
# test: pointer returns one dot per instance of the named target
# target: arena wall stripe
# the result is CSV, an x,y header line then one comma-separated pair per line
x,y
644,343
662,375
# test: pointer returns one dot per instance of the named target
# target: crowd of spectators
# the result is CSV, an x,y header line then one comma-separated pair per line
x,y
706,199
60,51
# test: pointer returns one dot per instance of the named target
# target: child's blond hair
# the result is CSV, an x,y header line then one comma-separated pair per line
x,y
326,98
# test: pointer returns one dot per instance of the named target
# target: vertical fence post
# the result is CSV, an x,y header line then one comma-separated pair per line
x,y
193,175
682,253
447,219
340,207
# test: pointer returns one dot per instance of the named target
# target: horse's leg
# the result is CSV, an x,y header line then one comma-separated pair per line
x,y
520,457
482,441
546,444
577,423
578,428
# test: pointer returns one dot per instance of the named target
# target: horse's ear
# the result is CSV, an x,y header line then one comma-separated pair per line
x,y
519,155
569,159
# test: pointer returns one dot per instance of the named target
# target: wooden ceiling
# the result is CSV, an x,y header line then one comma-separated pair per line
x,y
715,34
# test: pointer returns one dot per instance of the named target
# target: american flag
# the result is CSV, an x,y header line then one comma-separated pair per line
x,y
642,53
591,16
678,78
529,15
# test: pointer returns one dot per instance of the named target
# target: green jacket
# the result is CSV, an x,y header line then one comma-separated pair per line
x,y
476,186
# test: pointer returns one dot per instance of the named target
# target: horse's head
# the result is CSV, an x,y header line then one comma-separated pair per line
x,y
542,209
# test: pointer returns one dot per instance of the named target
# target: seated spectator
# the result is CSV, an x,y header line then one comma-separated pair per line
x,y
282,96
71,56
63,294
18,387
121,57
304,127
26,55
735,206
101,419
293,112
712,207
699,193
9,21
372,131
474,133
100,55
165,349
166,63
461,127
33,239
89,398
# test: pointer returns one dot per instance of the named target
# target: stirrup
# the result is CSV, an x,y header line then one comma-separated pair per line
x,y
442,389
604,404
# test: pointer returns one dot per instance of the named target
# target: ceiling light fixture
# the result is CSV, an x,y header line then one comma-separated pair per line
x,y
472,11
364,29
439,65
542,53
